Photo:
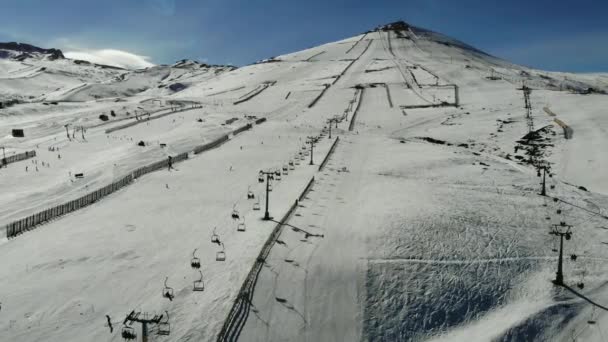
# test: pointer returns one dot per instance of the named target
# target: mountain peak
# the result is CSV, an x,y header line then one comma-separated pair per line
x,y
22,51
394,26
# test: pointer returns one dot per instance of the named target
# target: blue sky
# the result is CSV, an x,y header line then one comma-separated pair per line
x,y
554,35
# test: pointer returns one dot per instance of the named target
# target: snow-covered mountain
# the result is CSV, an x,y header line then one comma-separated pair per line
x,y
424,221
33,74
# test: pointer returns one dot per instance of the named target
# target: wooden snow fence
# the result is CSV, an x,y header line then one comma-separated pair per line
x,y
20,226
18,157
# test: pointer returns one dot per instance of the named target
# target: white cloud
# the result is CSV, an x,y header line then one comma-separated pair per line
x,y
111,57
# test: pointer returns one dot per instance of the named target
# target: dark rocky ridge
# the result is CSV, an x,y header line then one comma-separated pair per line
x,y
27,49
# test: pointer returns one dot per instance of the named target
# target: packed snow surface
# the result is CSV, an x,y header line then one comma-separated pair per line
x,y
426,223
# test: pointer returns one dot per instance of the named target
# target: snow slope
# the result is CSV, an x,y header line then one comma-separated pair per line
x,y
425,225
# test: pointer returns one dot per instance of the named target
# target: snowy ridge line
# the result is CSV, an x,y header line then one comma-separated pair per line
x,y
331,151
131,124
314,102
237,317
18,157
354,117
254,92
20,226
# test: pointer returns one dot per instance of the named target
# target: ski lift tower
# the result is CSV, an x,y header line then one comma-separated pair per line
x,y
268,174
329,122
562,230
544,168
312,141
144,320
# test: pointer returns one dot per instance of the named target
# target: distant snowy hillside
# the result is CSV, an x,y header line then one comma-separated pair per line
x,y
32,74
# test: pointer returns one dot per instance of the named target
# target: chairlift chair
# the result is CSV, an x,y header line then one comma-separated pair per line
x,y
221,255
198,284
168,291
592,320
256,205
128,333
277,177
261,179
164,328
285,168
235,213
214,237
195,262
277,173
241,226
290,163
